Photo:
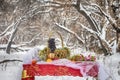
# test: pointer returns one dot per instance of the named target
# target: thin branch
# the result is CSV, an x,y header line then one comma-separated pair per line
x,y
103,47
5,31
7,60
16,47
15,26
25,43
68,30
111,20
88,29
57,4
61,3
96,24
81,10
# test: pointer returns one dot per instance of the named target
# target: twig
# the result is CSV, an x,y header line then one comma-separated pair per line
x,y
72,32
7,60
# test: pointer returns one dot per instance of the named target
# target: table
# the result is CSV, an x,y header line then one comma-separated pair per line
x,y
73,69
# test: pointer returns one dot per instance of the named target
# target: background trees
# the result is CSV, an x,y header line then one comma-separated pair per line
x,y
90,24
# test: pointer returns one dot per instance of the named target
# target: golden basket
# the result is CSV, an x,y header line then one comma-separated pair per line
x,y
59,53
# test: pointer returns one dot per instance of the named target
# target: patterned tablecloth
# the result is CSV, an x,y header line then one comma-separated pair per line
x,y
60,68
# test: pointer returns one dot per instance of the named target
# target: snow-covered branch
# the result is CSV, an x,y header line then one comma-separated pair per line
x,y
8,28
86,14
10,40
5,31
111,20
18,47
68,30
88,29
106,43
59,4
16,25
8,60
25,43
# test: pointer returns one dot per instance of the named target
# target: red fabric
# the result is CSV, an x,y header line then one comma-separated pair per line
x,y
49,69
55,70
93,71
89,68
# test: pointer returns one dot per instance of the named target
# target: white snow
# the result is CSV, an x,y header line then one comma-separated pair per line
x,y
13,70
62,78
112,64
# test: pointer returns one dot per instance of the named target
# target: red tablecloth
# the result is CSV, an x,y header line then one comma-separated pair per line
x,y
29,70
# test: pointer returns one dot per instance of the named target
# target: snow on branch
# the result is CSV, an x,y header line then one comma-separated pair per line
x,y
58,4
88,29
96,24
96,33
87,15
16,25
111,20
8,28
10,40
24,43
5,31
29,13
61,3
68,30
95,5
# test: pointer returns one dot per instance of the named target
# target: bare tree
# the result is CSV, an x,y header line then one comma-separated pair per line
x,y
98,19
18,17
91,11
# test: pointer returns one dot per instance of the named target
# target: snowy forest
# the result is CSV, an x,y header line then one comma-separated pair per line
x,y
89,25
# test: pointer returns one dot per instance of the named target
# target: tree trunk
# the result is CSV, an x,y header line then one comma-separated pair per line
x,y
10,41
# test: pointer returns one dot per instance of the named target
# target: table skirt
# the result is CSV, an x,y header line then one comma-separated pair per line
x,y
30,71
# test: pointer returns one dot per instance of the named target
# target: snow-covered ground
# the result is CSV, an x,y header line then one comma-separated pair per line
x,y
12,70
112,65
